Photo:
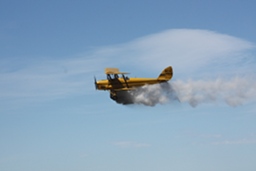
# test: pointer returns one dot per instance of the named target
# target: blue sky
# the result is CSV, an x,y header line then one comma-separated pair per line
x,y
52,118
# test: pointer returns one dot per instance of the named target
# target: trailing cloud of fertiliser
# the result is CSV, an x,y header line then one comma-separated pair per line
x,y
233,92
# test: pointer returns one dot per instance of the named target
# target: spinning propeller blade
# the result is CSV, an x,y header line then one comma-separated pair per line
x,y
95,83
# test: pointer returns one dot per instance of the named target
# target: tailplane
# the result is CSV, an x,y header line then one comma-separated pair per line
x,y
166,74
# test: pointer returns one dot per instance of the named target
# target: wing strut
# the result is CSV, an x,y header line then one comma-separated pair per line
x,y
125,81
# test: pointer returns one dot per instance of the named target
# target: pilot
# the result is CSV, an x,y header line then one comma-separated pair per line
x,y
116,76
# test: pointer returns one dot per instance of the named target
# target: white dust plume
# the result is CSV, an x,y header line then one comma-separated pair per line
x,y
234,92
150,95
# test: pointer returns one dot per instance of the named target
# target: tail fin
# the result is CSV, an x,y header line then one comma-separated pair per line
x,y
166,74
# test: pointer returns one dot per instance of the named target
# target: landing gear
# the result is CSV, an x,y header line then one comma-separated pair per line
x,y
122,97
113,95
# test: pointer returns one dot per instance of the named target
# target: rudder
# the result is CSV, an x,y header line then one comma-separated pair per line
x,y
166,74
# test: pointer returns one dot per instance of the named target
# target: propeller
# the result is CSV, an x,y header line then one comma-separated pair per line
x,y
95,83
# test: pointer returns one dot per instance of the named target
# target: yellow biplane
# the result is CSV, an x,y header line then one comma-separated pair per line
x,y
118,83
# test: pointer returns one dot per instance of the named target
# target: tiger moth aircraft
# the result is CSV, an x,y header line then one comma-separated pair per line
x,y
121,86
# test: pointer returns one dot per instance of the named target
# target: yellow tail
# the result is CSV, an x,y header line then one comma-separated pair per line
x,y
166,74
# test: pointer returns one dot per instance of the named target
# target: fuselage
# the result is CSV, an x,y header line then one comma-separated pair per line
x,y
119,84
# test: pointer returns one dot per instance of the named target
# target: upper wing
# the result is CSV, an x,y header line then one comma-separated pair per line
x,y
111,70
114,71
